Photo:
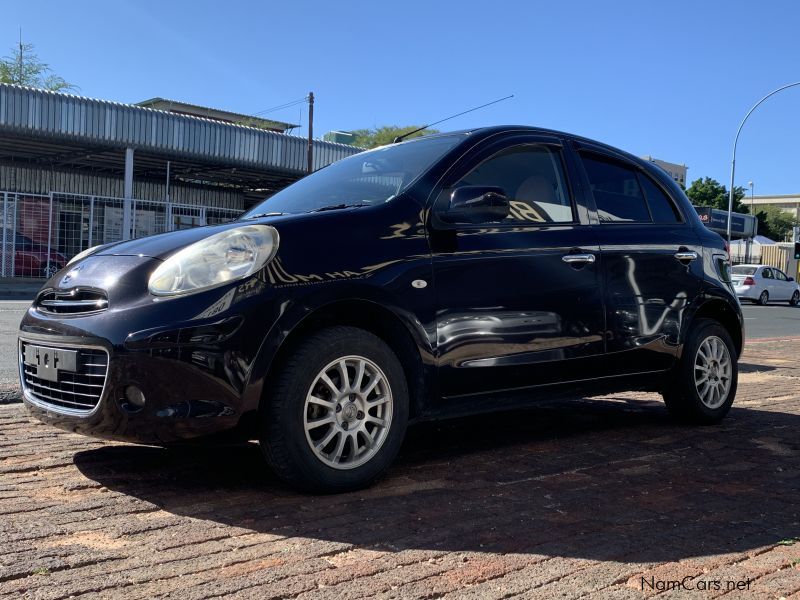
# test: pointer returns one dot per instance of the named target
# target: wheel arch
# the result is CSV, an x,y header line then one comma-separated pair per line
x,y
401,337
719,310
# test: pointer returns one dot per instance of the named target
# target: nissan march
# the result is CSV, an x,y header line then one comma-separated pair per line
x,y
450,274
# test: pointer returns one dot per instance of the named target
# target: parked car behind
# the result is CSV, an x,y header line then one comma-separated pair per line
x,y
455,273
30,257
764,284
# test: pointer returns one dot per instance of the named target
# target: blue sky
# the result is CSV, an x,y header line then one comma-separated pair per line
x,y
670,79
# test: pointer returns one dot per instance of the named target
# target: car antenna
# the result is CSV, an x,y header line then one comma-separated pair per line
x,y
400,138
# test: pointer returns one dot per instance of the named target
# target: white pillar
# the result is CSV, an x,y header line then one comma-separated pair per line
x,y
127,208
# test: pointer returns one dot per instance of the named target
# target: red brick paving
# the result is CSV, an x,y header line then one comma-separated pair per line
x,y
600,499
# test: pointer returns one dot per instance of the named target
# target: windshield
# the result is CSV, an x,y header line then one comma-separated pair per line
x,y
743,270
364,179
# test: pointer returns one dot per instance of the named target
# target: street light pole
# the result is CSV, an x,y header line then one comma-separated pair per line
x,y
749,241
736,141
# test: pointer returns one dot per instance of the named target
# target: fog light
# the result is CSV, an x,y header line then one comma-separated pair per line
x,y
134,395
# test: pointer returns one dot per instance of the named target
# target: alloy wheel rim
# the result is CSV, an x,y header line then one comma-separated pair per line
x,y
713,371
348,412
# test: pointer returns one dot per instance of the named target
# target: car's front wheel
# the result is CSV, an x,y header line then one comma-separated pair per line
x,y
795,299
336,416
704,385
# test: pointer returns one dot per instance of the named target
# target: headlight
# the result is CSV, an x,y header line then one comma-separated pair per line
x,y
219,259
84,253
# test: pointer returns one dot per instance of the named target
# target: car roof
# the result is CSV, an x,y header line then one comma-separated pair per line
x,y
484,132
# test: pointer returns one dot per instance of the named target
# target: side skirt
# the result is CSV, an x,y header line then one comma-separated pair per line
x,y
470,404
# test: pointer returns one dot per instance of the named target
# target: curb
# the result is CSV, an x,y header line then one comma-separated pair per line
x,y
20,296
10,394
20,288
790,338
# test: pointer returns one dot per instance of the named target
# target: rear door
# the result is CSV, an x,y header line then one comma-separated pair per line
x,y
519,302
652,265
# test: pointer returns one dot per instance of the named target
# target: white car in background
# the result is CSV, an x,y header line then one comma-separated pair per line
x,y
762,284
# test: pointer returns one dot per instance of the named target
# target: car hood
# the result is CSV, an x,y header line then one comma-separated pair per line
x,y
162,245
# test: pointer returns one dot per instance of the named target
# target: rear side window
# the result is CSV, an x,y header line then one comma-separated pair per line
x,y
661,207
617,192
767,274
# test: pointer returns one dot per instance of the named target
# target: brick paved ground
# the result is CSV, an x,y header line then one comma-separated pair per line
x,y
569,500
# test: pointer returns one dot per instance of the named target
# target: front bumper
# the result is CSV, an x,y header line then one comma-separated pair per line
x,y
182,401
191,357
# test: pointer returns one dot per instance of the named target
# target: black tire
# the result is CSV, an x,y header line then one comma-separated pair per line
x,y
681,395
795,299
763,299
282,431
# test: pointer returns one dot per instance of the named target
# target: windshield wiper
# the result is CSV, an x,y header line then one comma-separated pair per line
x,y
338,207
259,215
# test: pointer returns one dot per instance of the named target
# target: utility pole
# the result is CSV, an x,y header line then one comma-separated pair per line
x,y
19,74
736,141
310,132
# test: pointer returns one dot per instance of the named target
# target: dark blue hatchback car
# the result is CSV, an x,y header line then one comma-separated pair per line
x,y
450,274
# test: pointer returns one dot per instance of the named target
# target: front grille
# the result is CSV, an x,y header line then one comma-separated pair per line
x,y
78,391
75,301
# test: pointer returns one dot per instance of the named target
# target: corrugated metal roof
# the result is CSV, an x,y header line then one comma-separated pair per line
x,y
215,114
40,113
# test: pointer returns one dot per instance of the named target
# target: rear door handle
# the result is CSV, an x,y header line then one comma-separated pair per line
x,y
686,256
578,258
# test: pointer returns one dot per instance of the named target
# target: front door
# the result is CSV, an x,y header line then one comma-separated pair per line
x,y
783,287
519,302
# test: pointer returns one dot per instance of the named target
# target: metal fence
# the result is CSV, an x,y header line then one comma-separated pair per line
x,y
42,232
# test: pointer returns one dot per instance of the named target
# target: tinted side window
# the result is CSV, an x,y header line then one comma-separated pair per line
x,y
661,207
616,191
779,275
533,179
767,274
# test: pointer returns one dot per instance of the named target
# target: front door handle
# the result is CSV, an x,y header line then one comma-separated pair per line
x,y
578,258
686,256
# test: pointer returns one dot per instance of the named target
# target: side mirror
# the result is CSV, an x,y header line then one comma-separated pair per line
x,y
791,278
476,204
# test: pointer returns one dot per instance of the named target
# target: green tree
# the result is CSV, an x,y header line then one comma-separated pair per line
x,y
380,136
775,223
23,67
710,192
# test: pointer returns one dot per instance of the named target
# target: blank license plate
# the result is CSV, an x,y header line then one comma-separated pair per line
x,y
50,361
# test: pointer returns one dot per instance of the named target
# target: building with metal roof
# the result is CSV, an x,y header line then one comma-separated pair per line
x,y
76,172
60,142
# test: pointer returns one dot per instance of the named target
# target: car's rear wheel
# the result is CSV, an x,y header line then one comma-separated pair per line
x,y
706,377
795,299
336,416
763,298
